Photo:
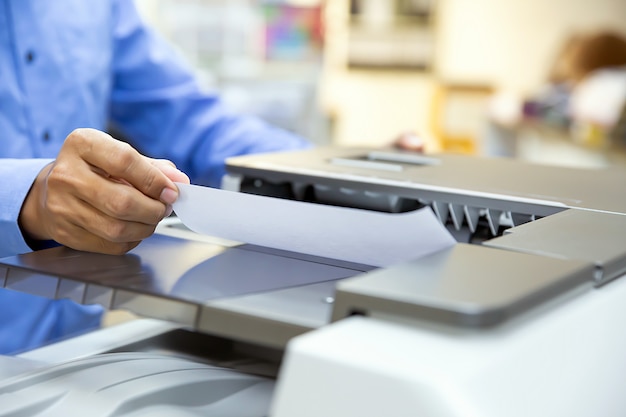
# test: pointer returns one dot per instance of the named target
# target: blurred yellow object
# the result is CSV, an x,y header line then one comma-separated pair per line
x,y
458,115
115,317
590,135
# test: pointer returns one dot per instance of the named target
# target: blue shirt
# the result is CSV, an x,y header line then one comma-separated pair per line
x,y
66,64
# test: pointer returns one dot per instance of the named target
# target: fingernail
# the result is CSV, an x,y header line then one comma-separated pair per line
x,y
168,196
168,211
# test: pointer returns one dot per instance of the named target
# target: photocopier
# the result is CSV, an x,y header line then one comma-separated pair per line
x,y
522,316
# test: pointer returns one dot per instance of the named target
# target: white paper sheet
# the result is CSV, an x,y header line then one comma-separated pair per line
x,y
361,236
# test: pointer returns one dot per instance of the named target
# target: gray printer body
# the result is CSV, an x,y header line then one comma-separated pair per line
x,y
531,238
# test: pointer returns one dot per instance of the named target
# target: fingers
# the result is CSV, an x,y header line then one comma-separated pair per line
x,y
120,160
409,141
107,196
79,227
76,237
170,170
99,195
48,214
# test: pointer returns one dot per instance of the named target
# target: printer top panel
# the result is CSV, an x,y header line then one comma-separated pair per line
x,y
396,171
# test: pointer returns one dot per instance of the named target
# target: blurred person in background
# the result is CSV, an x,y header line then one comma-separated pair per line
x,y
585,95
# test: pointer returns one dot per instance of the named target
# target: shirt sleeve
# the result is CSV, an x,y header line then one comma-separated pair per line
x,y
160,108
28,321
17,177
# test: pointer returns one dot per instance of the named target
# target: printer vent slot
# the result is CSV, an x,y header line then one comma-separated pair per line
x,y
480,223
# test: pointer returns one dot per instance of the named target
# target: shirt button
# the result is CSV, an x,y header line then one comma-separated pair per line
x,y
46,136
30,56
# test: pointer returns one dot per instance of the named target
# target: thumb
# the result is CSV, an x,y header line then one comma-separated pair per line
x,y
169,169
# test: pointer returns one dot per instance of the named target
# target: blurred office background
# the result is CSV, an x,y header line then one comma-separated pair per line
x,y
471,76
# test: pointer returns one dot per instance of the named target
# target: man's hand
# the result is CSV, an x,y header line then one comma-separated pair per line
x,y
409,141
99,195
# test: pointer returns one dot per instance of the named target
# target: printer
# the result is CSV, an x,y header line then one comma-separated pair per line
x,y
522,316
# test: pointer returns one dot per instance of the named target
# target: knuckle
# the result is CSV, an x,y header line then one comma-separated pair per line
x,y
76,134
62,236
125,156
121,205
54,208
150,180
60,176
78,138
116,231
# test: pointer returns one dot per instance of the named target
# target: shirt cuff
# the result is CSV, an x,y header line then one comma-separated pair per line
x,y
16,179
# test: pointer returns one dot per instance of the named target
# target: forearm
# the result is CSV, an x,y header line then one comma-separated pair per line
x,y
17,177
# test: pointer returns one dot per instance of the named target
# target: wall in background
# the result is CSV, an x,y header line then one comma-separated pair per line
x,y
503,44
263,56
508,45
511,44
